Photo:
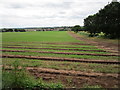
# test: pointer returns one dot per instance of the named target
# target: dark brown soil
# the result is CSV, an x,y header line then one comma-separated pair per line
x,y
75,78
67,53
71,72
71,78
63,59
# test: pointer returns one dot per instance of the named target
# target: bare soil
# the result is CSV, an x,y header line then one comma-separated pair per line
x,y
71,72
71,78
74,78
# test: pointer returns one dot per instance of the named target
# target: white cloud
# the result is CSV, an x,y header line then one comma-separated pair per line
x,y
29,13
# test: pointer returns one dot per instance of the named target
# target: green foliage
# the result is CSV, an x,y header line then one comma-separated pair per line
x,y
107,20
12,30
23,80
84,33
19,78
76,28
92,87
56,86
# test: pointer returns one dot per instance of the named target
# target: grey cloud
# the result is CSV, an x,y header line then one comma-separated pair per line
x,y
16,6
64,5
48,17
69,12
62,12
43,17
78,16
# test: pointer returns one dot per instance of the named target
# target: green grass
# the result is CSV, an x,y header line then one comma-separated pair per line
x,y
92,87
17,79
59,47
48,45
57,50
49,36
64,65
35,39
22,79
62,55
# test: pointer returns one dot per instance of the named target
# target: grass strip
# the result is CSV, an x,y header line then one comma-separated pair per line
x,y
67,53
79,48
58,50
62,55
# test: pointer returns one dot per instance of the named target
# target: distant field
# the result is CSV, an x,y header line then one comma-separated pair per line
x,y
49,36
60,45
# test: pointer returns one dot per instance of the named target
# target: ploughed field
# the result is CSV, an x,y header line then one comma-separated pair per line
x,y
57,56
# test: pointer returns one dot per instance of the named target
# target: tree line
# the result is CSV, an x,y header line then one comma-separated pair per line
x,y
12,30
107,20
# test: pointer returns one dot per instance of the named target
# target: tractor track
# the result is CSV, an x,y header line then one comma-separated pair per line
x,y
100,44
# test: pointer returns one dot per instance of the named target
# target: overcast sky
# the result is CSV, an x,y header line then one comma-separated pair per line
x,y
42,13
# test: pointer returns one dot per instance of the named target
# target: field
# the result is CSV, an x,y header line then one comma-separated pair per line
x,y
62,57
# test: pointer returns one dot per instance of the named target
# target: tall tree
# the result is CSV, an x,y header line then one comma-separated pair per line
x,y
76,28
106,20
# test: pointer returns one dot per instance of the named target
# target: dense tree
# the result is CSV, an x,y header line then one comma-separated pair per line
x,y
107,20
12,30
76,28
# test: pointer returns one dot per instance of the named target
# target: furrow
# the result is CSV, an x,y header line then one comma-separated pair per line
x,y
62,59
67,53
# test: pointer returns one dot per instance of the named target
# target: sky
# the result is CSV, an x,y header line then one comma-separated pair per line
x,y
47,13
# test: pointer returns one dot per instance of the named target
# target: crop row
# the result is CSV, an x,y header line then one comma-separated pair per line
x,y
62,55
70,51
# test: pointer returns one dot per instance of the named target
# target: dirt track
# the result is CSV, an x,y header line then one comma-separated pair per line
x,y
100,44
62,59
